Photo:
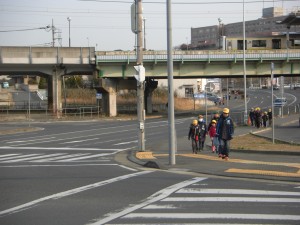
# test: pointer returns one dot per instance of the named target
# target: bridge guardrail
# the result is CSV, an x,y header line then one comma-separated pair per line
x,y
156,56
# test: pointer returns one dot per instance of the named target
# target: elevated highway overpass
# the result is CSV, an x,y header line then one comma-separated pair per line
x,y
115,68
196,64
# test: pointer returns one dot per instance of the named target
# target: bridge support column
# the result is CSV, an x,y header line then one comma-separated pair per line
x,y
54,91
109,103
151,85
108,87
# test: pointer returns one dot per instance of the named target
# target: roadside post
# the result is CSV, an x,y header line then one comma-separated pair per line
x,y
272,105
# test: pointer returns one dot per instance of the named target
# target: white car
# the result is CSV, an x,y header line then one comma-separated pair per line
x,y
280,102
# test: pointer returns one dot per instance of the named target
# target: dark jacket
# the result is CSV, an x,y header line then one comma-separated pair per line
x,y
193,132
225,128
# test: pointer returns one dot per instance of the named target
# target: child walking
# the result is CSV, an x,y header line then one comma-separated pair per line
x,y
194,135
214,139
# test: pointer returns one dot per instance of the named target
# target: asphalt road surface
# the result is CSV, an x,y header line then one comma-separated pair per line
x,y
77,173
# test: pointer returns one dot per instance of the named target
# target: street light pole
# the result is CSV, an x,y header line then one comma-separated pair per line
x,y
171,117
69,19
220,32
144,19
244,63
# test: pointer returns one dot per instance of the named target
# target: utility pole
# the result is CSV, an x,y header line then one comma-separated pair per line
x,y
141,76
171,116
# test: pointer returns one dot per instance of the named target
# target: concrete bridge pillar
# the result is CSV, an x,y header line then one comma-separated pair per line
x,y
151,85
108,87
54,91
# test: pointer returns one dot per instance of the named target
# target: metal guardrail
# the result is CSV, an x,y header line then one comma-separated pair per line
x,y
207,56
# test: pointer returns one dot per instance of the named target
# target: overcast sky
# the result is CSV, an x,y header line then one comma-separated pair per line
x,y
106,24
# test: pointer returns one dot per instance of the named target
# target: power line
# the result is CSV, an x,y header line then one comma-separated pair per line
x,y
194,3
39,28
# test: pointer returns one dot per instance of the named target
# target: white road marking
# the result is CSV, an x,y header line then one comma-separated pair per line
x,y
17,157
1,156
31,158
229,199
234,191
128,168
69,192
213,216
54,148
82,157
28,140
60,157
125,143
160,207
83,140
153,198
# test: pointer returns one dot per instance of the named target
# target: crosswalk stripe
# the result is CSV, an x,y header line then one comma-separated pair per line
x,y
229,199
17,157
213,216
83,157
234,191
31,158
2,156
61,157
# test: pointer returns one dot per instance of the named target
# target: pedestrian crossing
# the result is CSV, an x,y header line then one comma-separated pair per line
x,y
53,157
190,205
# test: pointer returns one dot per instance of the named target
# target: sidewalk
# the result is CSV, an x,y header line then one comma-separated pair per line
x,y
272,165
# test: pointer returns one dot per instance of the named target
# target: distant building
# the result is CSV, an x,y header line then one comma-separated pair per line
x,y
265,32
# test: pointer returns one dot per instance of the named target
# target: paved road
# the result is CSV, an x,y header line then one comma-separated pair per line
x,y
78,173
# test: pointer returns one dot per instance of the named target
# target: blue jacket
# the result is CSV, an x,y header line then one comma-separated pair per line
x,y
229,128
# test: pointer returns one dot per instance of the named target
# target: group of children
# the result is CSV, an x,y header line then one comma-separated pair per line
x,y
220,131
198,131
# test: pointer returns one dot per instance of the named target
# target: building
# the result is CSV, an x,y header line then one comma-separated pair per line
x,y
264,33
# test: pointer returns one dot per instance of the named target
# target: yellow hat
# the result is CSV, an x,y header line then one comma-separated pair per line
x,y
213,121
225,110
195,122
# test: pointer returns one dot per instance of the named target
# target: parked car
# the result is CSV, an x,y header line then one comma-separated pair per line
x,y
278,102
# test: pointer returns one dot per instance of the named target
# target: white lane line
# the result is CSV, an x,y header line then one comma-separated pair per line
x,y
32,158
128,168
61,165
82,157
229,199
213,216
69,192
153,198
28,140
125,143
61,157
54,148
1,156
84,140
17,157
234,191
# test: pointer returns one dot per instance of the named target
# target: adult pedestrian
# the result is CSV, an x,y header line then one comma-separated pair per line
x,y
270,117
194,135
202,132
257,117
225,131
252,116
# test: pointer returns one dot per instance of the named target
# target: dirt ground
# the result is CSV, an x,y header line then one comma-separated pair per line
x,y
252,142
